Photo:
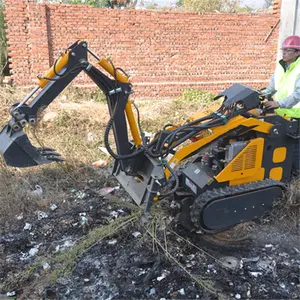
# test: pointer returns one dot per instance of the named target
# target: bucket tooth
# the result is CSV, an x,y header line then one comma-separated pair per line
x,y
18,151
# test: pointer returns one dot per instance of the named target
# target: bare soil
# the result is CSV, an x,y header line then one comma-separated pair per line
x,y
61,257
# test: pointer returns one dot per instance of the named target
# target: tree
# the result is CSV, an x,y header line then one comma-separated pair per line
x,y
179,3
94,3
211,5
268,3
97,3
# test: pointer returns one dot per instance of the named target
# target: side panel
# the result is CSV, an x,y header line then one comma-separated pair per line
x,y
278,158
247,166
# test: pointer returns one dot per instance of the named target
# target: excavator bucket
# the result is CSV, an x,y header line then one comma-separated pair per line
x,y
18,151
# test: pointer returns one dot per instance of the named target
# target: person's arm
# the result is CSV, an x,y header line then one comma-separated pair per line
x,y
270,89
287,102
293,99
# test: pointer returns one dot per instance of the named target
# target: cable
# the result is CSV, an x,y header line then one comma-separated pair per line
x,y
144,140
122,72
79,66
110,123
106,141
54,68
181,134
176,182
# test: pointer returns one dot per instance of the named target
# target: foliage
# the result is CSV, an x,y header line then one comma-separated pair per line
x,y
97,3
194,95
179,3
152,6
3,41
211,5
194,98
94,3
99,96
268,3
63,119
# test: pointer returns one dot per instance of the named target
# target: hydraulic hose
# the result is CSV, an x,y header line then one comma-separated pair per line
x,y
106,141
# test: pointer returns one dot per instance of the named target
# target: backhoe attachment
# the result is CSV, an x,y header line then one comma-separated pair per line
x,y
141,175
19,152
15,146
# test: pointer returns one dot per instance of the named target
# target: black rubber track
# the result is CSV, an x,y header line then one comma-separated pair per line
x,y
198,207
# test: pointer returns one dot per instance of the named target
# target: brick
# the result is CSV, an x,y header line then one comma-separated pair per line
x,y
165,52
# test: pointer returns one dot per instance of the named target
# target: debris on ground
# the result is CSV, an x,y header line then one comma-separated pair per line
x,y
100,163
36,193
125,264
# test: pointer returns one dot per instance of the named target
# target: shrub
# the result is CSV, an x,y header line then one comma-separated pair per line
x,y
195,95
195,98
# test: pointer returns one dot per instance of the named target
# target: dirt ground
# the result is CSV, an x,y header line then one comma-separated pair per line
x,y
71,232
61,254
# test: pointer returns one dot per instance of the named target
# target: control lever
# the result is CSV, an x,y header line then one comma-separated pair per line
x,y
265,98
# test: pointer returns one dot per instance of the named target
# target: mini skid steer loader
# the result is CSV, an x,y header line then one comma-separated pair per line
x,y
224,166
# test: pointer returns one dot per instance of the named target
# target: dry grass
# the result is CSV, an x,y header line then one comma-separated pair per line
x,y
287,210
68,134
56,181
76,131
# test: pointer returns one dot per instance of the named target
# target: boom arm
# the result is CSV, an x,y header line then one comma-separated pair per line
x,y
15,145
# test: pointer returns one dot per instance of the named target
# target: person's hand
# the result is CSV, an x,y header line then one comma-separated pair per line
x,y
271,104
262,92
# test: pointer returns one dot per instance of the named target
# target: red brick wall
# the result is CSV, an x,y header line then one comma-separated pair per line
x,y
165,52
